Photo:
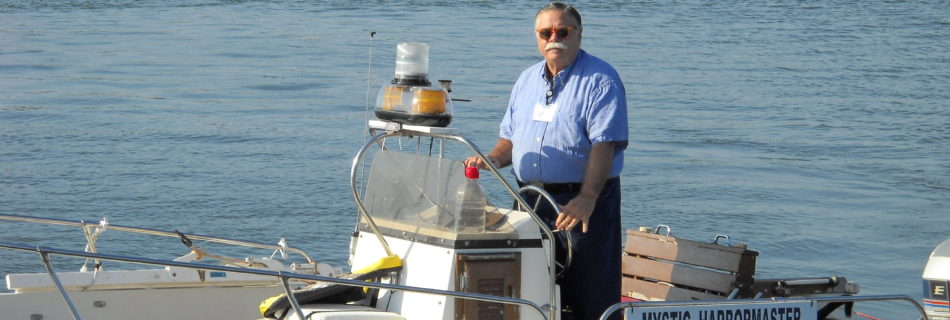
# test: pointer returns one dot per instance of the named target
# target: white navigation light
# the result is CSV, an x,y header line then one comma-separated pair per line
x,y
412,60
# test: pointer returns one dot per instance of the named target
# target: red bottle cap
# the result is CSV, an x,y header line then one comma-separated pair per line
x,y
471,172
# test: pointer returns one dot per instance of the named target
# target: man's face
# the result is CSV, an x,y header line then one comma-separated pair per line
x,y
553,23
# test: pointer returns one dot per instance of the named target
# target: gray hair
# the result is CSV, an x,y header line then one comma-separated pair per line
x,y
562,7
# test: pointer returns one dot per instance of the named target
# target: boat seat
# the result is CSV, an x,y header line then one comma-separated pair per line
x,y
324,311
662,267
278,306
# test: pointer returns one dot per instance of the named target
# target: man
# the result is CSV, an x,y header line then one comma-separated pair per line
x,y
565,130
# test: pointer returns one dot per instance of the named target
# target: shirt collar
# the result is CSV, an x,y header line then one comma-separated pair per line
x,y
564,72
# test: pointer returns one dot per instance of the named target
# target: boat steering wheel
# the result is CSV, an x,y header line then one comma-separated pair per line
x,y
563,241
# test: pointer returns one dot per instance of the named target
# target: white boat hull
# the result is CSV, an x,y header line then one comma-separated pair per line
x,y
231,303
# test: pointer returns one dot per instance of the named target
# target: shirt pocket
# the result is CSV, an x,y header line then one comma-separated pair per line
x,y
570,132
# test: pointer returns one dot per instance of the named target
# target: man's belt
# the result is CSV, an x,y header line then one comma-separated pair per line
x,y
568,187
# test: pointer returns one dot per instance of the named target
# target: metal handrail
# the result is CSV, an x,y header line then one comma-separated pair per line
x,y
155,232
59,285
356,195
646,304
45,251
397,131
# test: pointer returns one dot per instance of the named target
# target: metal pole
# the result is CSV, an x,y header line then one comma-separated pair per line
x,y
356,195
290,295
59,285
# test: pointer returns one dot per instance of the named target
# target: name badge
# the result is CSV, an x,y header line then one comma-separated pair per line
x,y
544,112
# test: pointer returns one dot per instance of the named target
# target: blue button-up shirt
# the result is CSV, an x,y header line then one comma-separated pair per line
x,y
592,108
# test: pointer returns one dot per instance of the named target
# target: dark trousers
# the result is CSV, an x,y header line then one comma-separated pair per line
x,y
592,283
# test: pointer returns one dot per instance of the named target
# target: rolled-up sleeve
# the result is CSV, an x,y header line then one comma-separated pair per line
x,y
607,115
506,129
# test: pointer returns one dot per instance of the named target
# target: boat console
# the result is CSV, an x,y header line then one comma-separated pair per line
x,y
409,209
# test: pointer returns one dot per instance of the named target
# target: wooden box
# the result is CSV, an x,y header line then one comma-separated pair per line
x,y
661,267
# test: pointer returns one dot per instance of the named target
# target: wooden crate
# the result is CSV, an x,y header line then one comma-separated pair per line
x,y
660,267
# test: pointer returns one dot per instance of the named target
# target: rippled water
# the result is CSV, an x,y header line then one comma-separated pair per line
x,y
815,132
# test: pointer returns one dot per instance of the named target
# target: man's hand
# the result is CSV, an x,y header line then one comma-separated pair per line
x,y
578,210
500,156
476,161
581,207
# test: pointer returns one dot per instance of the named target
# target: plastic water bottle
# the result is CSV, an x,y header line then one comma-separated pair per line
x,y
472,202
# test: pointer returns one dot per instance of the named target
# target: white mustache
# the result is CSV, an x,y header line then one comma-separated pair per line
x,y
555,45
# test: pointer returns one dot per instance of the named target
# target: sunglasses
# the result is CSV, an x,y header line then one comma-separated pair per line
x,y
561,33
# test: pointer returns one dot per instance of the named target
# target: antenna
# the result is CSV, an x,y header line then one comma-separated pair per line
x,y
369,76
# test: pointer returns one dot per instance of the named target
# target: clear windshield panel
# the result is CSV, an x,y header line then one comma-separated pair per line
x,y
414,190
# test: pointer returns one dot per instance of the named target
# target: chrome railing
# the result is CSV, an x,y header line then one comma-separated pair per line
x,y
44,253
104,225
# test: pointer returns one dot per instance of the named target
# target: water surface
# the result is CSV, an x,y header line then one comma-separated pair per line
x,y
815,132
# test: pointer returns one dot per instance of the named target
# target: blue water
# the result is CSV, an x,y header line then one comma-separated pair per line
x,y
816,132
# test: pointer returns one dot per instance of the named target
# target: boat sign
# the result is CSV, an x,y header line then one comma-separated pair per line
x,y
750,311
